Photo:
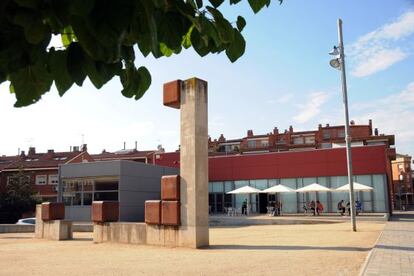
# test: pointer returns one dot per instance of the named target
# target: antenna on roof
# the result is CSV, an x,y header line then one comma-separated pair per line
x,y
124,145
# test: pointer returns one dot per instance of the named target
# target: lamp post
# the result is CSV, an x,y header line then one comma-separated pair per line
x,y
339,63
399,189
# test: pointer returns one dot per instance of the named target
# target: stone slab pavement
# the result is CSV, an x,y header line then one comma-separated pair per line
x,y
394,252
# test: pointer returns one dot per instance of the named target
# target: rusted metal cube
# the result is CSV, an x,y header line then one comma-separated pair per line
x,y
172,94
170,213
170,187
105,211
53,210
153,212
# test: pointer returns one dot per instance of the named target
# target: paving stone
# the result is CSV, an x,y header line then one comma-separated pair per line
x,y
394,251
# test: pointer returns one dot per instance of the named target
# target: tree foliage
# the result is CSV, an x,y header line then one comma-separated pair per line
x,y
99,37
18,197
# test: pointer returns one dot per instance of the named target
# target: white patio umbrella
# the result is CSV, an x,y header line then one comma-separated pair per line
x,y
358,187
243,191
314,187
278,189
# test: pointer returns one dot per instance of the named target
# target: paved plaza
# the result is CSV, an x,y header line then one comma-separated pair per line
x,y
394,251
299,249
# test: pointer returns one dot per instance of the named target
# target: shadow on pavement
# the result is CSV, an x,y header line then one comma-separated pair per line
x,y
287,247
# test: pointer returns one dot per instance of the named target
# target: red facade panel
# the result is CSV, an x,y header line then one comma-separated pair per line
x,y
312,163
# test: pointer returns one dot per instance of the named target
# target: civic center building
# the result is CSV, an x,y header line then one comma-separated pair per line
x,y
296,159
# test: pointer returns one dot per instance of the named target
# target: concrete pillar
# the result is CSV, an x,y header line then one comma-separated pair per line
x,y
39,222
194,164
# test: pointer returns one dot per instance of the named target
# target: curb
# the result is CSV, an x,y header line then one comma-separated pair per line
x,y
367,259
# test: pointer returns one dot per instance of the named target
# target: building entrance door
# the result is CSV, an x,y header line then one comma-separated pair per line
x,y
263,203
215,201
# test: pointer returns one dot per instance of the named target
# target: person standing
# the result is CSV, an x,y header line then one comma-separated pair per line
x,y
244,207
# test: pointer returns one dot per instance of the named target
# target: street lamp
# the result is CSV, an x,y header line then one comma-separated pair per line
x,y
339,63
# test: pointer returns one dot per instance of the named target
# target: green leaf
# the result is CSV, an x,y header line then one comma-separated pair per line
x,y
130,81
30,83
165,50
59,70
75,60
216,3
233,2
237,47
145,81
68,36
257,5
135,82
11,88
34,29
198,43
241,23
225,30
187,38
199,3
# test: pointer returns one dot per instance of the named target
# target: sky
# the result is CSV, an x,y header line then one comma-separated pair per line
x,y
283,79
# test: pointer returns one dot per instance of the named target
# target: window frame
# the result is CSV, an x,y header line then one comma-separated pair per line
x,y
39,176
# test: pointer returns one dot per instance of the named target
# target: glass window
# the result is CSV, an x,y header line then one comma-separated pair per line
x,y
53,179
67,200
218,187
251,144
240,198
264,143
228,186
364,197
106,196
297,140
272,182
106,186
289,200
336,182
326,134
210,187
77,199
87,199
379,192
228,200
341,133
326,145
310,140
260,184
41,179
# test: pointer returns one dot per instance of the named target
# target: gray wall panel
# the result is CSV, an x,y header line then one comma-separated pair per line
x,y
91,169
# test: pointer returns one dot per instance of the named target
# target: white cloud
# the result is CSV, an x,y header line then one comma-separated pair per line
x,y
379,49
378,61
312,107
393,114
